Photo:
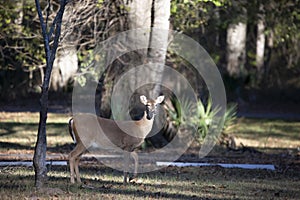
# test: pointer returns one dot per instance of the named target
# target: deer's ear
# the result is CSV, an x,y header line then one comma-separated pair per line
x,y
159,99
143,99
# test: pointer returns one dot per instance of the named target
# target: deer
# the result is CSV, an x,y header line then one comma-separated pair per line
x,y
88,130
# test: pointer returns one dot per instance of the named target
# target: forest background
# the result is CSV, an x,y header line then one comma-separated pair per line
x,y
255,45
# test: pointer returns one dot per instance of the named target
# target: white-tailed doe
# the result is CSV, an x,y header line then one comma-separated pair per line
x,y
88,131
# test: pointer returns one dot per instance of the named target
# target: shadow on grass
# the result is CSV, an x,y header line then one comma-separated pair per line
x,y
15,146
64,148
170,183
197,183
24,184
15,128
22,136
19,128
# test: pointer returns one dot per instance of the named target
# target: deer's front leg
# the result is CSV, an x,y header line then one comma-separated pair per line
x,y
72,162
77,170
126,165
134,155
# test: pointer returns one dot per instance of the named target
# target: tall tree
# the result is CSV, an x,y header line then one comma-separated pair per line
x,y
236,40
260,40
66,62
51,35
152,16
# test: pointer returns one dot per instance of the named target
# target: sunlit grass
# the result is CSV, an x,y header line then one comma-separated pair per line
x,y
32,117
20,130
267,133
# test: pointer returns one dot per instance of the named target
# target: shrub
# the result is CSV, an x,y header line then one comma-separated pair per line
x,y
203,117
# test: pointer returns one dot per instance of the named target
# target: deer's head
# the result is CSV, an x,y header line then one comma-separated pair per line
x,y
151,105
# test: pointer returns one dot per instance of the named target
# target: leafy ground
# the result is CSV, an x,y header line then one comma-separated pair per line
x,y
259,141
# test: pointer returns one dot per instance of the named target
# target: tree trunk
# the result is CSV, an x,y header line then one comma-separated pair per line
x,y
64,67
159,41
139,17
41,144
236,44
152,16
157,55
66,63
236,48
260,42
39,159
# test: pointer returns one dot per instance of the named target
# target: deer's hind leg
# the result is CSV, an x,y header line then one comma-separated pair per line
x,y
74,158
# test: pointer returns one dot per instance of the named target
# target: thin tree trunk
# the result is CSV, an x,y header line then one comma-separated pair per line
x,y
260,42
41,144
39,159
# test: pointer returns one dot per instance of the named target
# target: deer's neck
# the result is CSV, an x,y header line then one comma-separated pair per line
x,y
145,125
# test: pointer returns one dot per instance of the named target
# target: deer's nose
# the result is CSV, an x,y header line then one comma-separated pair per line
x,y
150,114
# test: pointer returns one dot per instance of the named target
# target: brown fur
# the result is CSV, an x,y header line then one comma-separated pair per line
x,y
106,133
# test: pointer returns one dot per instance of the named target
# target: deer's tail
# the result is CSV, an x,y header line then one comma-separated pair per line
x,y
71,130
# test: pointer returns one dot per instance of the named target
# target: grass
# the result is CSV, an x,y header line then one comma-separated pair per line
x,y
266,133
18,134
19,130
170,183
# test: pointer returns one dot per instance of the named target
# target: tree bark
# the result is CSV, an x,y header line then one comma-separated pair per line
x,y
64,67
236,44
66,63
260,42
39,159
157,54
236,48
152,16
159,41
